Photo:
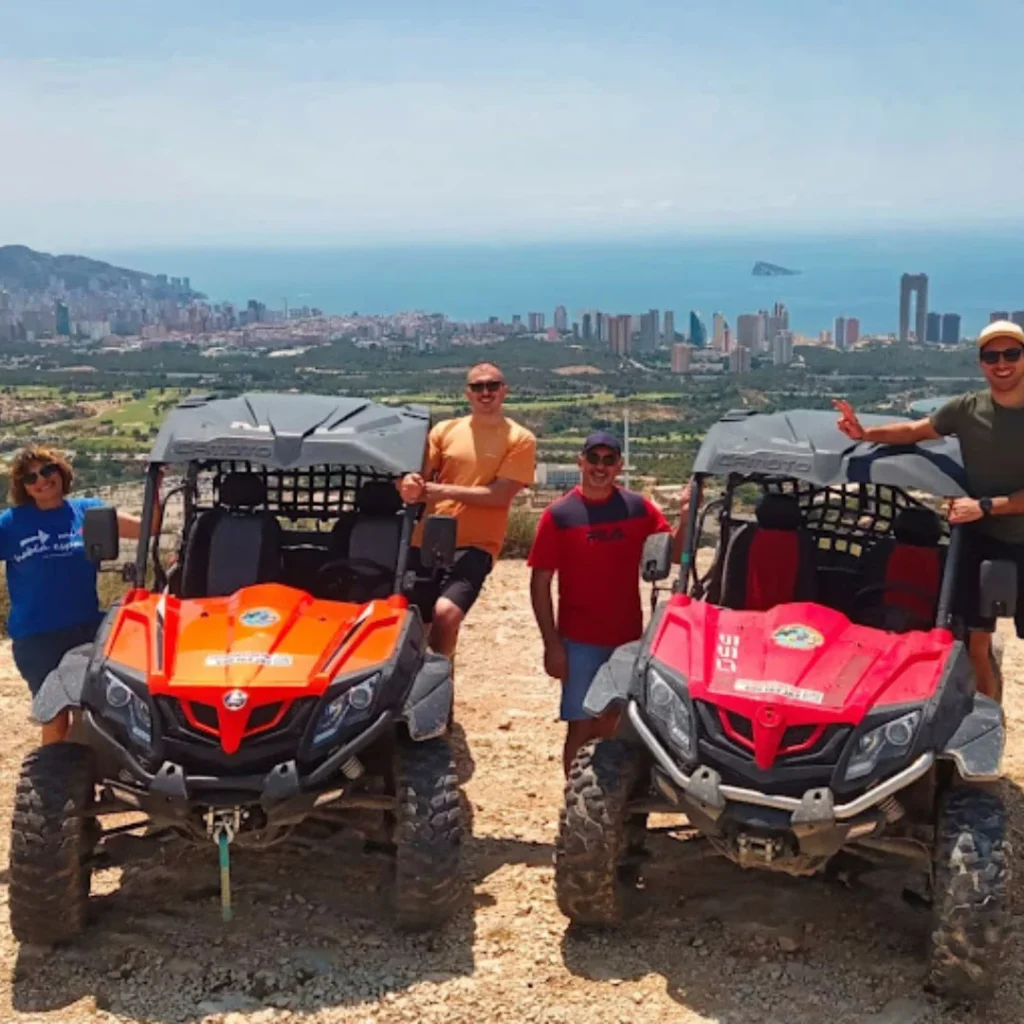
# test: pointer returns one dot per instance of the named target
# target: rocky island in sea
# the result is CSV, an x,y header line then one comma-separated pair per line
x,y
762,269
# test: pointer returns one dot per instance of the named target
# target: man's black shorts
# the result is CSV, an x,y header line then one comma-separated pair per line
x,y
461,584
979,547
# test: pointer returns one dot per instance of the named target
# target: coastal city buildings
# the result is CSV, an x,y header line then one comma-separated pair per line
x,y
536,323
698,332
668,327
681,357
852,331
718,327
839,331
561,320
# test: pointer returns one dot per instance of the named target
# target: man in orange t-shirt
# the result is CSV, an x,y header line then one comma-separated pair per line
x,y
475,466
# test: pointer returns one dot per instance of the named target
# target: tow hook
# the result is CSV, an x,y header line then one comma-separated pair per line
x,y
757,851
222,826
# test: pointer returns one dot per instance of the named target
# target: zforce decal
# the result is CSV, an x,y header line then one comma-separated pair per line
x,y
776,689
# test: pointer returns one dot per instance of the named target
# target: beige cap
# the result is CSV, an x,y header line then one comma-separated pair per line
x,y
1001,329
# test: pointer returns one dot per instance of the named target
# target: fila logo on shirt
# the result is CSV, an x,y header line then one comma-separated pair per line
x,y
605,534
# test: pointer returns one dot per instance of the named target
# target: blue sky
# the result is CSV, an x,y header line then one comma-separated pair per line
x,y
258,122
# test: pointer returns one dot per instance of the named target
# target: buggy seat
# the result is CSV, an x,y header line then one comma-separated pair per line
x,y
771,561
373,530
912,556
235,545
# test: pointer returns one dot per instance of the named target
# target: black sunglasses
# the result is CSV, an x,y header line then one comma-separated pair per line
x,y
601,460
991,356
45,472
478,387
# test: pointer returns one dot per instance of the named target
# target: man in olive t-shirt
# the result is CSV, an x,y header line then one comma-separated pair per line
x,y
990,428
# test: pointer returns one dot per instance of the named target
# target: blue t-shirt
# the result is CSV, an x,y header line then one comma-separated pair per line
x,y
51,582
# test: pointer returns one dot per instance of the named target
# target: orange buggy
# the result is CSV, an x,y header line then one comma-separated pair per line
x,y
276,679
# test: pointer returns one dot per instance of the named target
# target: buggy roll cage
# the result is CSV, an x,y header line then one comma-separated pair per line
x,y
320,493
845,520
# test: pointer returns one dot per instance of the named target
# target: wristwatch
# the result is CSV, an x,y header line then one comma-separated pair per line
x,y
985,504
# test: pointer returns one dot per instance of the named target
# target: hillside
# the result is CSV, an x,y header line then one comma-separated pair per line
x,y
26,269
311,941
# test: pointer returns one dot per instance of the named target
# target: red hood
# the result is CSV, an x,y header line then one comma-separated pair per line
x,y
798,664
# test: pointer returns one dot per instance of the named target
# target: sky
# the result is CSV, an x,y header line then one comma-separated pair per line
x,y
257,122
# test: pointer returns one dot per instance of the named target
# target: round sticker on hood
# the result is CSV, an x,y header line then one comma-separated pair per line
x,y
259,617
798,637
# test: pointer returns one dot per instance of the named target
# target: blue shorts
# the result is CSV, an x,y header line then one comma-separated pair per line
x,y
38,654
584,661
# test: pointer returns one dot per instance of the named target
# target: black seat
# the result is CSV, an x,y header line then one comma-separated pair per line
x,y
236,545
373,530
907,567
772,561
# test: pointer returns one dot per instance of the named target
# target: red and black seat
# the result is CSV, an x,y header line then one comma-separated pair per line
x,y
772,561
905,570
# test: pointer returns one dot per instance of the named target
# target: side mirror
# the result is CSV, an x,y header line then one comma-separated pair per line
x,y
100,534
438,547
998,589
656,561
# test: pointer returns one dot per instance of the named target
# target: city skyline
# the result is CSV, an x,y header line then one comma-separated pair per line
x,y
241,123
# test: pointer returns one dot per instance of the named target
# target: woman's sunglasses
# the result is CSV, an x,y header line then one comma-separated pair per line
x,y
601,460
991,356
45,472
478,387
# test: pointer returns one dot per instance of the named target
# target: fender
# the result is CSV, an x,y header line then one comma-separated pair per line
x,y
613,681
976,748
62,688
429,703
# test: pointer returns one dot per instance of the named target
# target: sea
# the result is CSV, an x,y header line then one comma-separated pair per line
x,y
970,272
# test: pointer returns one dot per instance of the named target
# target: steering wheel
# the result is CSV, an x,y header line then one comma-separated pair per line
x,y
348,579
898,619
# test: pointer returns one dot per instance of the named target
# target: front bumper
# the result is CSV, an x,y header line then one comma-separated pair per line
x,y
816,813
171,795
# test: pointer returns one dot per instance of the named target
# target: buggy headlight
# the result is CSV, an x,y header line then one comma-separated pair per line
x,y
670,713
890,740
128,708
345,709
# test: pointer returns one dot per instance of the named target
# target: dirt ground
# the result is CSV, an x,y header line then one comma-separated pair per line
x,y
312,941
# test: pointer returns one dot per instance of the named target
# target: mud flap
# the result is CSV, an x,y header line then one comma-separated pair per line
x,y
977,746
613,681
62,688
429,703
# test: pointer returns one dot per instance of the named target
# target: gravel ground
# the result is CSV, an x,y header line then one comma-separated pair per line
x,y
311,940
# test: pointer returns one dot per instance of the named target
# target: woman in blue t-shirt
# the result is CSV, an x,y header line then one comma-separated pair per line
x,y
52,585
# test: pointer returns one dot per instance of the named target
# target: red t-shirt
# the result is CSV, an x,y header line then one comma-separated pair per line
x,y
595,547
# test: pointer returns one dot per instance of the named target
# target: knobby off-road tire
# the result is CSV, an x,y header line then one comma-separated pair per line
x,y
428,883
52,844
971,911
594,836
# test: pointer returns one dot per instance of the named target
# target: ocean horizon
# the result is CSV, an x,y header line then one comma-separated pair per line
x,y
970,273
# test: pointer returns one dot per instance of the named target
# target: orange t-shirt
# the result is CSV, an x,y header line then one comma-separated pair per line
x,y
474,454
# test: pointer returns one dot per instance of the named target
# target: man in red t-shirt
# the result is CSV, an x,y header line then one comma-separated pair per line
x,y
593,538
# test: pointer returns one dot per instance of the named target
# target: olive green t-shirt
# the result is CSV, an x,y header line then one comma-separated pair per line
x,y
992,445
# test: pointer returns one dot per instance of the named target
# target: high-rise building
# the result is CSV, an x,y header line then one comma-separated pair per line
x,y
600,327
950,328
915,285
681,358
933,330
536,323
739,360
698,331
561,319
63,319
999,314
749,328
587,328
839,331
852,331
647,339
668,327
655,317
517,322
1017,316
782,348
718,333
619,333
727,341
778,320
824,337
